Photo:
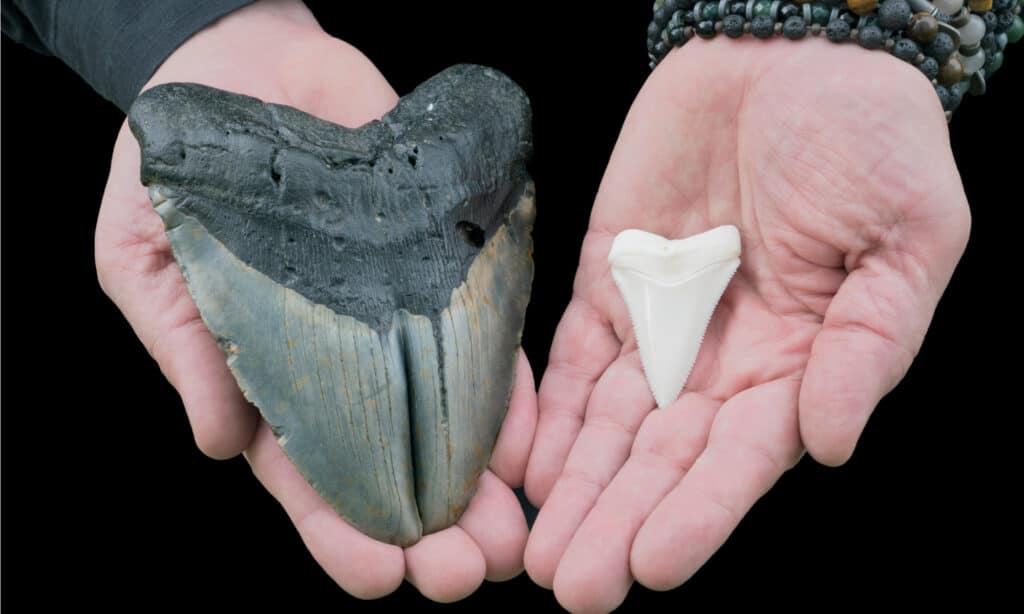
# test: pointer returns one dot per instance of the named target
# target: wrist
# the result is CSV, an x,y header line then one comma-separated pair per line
x,y
244,50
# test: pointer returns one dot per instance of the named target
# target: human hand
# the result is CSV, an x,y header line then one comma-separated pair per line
x,y
276,51
835,165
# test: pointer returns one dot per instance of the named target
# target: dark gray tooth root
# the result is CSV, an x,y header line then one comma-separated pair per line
x,y
367,285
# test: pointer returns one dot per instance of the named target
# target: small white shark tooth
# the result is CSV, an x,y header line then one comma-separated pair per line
x,y
671,289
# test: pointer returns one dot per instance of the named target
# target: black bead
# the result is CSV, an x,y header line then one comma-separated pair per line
x,y
738,8
661,17
957,91
944,97
660,49
653,32
762,26
871,37
677,20
989,44
894,14
650,45
837,31
732,25
671,6
906,50
929,67
941,48
677,36
1005,21
794,28
1002,5
848,17
991,21
788,10
705,28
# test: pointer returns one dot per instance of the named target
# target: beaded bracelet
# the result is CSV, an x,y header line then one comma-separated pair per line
x,y
956,46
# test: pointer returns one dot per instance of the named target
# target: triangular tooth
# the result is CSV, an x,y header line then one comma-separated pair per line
x,y
671,289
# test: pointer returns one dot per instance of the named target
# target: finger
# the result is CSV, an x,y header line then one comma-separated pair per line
x,y
594,573
138,272
512,449
445,566
872,331
583,347
495,522
753,440
362,566
620,401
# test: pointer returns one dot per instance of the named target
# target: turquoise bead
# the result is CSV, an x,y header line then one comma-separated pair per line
x,y
1016,31
762,7
820,14
994,63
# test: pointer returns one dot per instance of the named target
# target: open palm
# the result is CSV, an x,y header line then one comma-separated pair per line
x,y
835,165
276,51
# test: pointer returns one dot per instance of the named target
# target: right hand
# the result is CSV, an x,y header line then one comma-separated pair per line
x,y
276,51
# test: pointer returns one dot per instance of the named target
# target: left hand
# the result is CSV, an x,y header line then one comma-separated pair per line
x,y
834,163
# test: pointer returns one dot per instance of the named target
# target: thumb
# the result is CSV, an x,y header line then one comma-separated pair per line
x,y
872,331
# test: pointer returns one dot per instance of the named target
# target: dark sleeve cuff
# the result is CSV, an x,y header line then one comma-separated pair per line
x,y
115,45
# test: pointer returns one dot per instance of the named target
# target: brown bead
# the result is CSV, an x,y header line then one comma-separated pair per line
x,y
862,7
980,6
951,72
923,28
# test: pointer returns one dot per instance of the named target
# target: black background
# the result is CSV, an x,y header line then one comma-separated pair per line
x,y
106,500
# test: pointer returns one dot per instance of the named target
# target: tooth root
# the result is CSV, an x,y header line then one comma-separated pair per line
x,y
333,387
671,289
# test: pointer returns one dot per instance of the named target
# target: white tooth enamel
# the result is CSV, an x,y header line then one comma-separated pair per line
x,y
671,289
156,196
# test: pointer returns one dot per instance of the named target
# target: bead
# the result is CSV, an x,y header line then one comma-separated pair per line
x,y
1003,5
762,26
1016,31
991,21
1006,21
850,19
815,29
653,31
732,25
952,71
777,28
677,36
894,14
972,31
929,67
905,49
794,28
710,11
978,85
788,10
956,94
994,63
660,49
762,7
820,14
837,31
973,63
941,48
944,98
705,28
980,6
949,7
671,6
862,7
871,37
738,8
923,28
1002,40
989,44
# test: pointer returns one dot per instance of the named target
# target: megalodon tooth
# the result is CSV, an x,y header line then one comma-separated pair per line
x,y
671,289
367,285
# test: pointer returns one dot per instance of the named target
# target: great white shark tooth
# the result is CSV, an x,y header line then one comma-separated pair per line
x,y
671,289
367,285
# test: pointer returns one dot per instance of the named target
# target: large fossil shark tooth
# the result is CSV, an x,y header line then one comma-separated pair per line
x,y
367,285
671,289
